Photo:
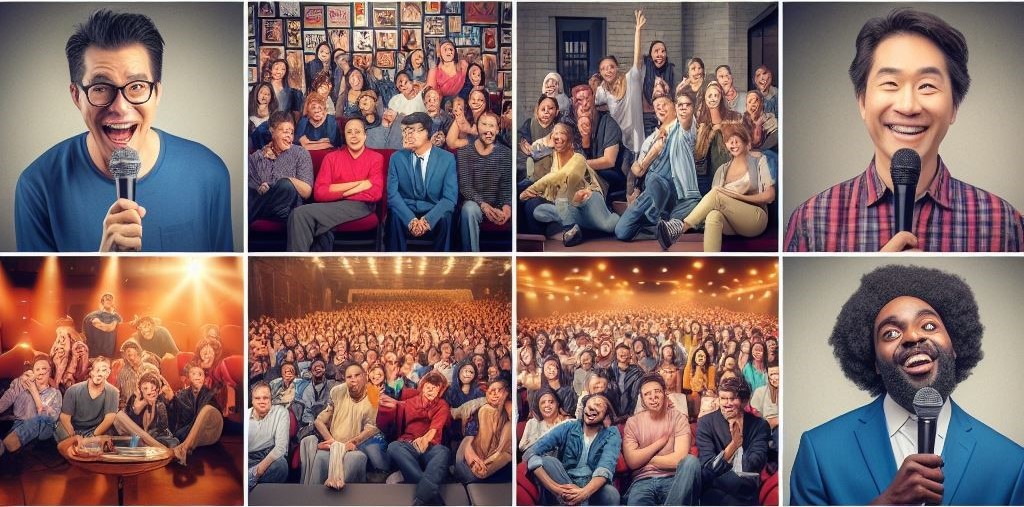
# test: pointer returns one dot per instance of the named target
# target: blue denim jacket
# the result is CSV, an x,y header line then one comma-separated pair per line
x,y
567,440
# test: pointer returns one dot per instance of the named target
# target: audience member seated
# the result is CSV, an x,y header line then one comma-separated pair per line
x,y
145,413
732,445
280,174
422,189
317,130
485,455
485,183
268,438
194,416
88,410
36,406
418,453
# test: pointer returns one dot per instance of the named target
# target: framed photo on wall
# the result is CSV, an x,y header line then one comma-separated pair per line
x,y
338,39
412,13
385,17
313,16
454,24
481,13
362,40
289,10
297,69
490,38
266,10
294,33
385,59
359,14
411,39
272,31
432,8
505,58
312,38
386,39
362,60
434,26
267,55
339,16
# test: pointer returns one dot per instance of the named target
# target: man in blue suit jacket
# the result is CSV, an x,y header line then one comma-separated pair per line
x,y
906,328
422,188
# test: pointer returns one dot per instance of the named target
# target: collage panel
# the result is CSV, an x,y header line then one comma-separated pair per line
x,y
897,374
131,148
122,380
379,126
380,381
901,113
647,381
647,121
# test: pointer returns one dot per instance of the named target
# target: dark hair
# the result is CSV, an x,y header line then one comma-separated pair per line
x,y
651,47
723,66
735,385
688,93
609,57
486,113
109,30
260,385
730,129
852,337
653,377
698,60
483,74
402,73
425,121
348,364
909,21
189,366
279,117
608,402
354,118
535,405
316,52
362,75
131,344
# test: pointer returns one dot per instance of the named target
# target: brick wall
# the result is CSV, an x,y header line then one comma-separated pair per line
x,y
716,32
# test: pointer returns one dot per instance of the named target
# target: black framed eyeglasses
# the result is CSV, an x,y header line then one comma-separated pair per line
x,y
103,94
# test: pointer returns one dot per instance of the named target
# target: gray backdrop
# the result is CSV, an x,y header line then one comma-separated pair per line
x,y
825,139
814,388
203,80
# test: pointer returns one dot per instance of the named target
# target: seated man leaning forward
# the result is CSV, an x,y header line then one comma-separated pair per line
x,y
65,200
268,438
733,448
585,454
350,419
910,76
348,186
88,410
280,174
656,446
418,452
36,406
485,182
422,188
485,454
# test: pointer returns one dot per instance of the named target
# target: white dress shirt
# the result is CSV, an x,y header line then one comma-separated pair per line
x,y
902,428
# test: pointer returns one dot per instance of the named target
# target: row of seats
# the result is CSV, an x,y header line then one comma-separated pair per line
x,y
367,233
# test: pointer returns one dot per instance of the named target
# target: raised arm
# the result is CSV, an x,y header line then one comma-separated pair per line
x,y
641,20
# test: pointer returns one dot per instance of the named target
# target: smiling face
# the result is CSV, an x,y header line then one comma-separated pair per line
x,y
595,411
196,377
763,79
430,391
477,102
608,70
754,106
121,123
376,376
403,84
278,71
367,104
712,97
548,406
281,137
908,99
476,77
913,350
551,370
736,146
317,112
773,376
550,87
261,400
263,95
663,109
447,52
496,394
659,54
324,53
99,373
562,141
355,81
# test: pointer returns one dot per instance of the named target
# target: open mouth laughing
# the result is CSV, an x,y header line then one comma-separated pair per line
x,y
120,133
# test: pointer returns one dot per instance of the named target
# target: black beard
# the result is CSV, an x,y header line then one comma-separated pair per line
x,y
902,390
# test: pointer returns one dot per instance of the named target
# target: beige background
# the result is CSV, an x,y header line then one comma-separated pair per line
x,y
203,76
814,388
825,140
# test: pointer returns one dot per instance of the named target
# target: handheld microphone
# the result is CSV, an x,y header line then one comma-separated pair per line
x,y
905,170
927,404
124,167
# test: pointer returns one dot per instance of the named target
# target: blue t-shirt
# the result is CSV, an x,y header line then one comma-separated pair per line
x,y
327,130
62,198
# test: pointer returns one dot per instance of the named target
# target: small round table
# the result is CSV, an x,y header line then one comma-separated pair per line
x,y
124,466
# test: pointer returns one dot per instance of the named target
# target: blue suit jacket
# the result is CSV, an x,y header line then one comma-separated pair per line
x,y
849,460
409,197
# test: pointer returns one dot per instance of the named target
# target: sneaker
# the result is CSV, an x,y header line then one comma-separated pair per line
x,y
668,232
573,236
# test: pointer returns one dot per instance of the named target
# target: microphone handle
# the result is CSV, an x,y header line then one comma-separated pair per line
x,y
925,435
125,188
903,208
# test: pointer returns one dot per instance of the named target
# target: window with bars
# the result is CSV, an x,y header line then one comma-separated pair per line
x,y
581,44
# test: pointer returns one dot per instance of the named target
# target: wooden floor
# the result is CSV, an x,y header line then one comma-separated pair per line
x,y
39,476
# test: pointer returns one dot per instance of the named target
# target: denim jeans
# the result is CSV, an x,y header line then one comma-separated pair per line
x,y
39,427
276,472
592,214
427,470
469,226
375,449
681,489
607,495
658,201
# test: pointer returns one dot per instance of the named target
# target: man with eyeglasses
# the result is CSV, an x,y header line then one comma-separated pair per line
x,y
422,188
666,164
64,201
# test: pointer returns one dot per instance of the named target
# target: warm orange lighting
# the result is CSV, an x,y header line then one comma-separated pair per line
x,y
545,274
698,264
753,272
521,266
689,277
636,271
664,270
721,271
601,266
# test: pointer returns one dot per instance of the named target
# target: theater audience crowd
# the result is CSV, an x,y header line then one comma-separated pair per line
x,y
671,408
444,114
658,153
343,377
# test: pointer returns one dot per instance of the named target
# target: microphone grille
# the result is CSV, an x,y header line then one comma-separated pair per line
x,y
125,163
927,402
905,167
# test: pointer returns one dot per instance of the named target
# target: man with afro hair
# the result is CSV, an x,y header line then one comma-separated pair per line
x,y
906,328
